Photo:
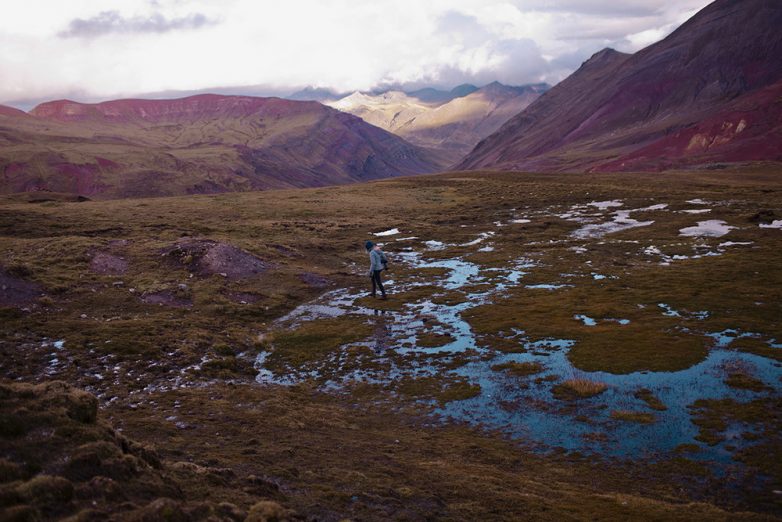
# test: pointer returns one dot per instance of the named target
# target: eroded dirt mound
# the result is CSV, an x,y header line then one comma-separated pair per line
x,y
205,257
16,291
765,216
58,460
314,280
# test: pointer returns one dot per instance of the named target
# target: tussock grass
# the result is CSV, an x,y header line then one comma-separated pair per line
x,y
579,388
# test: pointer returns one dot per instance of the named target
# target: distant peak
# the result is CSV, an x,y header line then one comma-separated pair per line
x,y
605,54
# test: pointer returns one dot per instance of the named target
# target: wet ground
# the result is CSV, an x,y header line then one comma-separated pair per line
x,y
640,414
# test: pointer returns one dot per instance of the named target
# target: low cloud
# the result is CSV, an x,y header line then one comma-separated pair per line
x,y
184,46
112,22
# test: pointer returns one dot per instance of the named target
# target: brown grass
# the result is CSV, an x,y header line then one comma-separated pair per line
x,y
519,369
640,417
579,389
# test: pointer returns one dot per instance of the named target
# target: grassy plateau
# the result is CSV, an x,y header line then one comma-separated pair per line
x,y
538,352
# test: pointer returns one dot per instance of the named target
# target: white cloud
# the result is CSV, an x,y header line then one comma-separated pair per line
x,y
127,48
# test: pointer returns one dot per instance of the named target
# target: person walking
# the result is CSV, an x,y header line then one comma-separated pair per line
x,y
377,263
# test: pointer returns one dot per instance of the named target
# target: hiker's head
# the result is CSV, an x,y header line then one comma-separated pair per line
x,y
368,245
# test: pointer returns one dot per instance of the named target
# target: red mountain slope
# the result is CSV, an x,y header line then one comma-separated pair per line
x,y
200,144
631,112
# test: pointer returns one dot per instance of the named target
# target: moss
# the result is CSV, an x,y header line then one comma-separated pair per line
x,y
314,340
440,389
519,369
578,389
633,416
633,348
714,416
450,298
758,347
433,339
398,301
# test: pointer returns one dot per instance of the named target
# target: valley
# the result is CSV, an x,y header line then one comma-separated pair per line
x,y
580,251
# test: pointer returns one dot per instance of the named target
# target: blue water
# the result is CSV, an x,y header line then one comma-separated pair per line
x,y
524,407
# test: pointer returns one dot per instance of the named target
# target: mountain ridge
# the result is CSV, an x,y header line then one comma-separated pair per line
x,y
453,127
615,105
199,144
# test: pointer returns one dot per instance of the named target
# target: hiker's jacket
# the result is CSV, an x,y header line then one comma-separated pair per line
x,y
376,259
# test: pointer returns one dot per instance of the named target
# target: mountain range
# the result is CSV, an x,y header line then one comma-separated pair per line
x,y
198,144
452,122
710,92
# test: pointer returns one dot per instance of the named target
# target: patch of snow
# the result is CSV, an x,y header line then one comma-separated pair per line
x,y
697,201
391,232
59,344
482,237
658,206
588,321
486,249
668,311
709,228
622,221
777,223
546,287
435,245
735,243
520,221
605,205
406,238
697,211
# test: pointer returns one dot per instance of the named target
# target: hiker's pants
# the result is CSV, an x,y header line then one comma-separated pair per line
x,y
377,282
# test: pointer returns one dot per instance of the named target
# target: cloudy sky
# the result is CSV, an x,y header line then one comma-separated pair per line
x,y
91,50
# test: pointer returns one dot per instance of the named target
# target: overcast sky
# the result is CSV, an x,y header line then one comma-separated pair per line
x,y
91,50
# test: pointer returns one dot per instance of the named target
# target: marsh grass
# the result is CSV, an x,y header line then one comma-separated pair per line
x,y
639,417
650,399
519,369
745,381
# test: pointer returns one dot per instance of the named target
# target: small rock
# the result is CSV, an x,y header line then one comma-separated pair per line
x,y
83,316
117,284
